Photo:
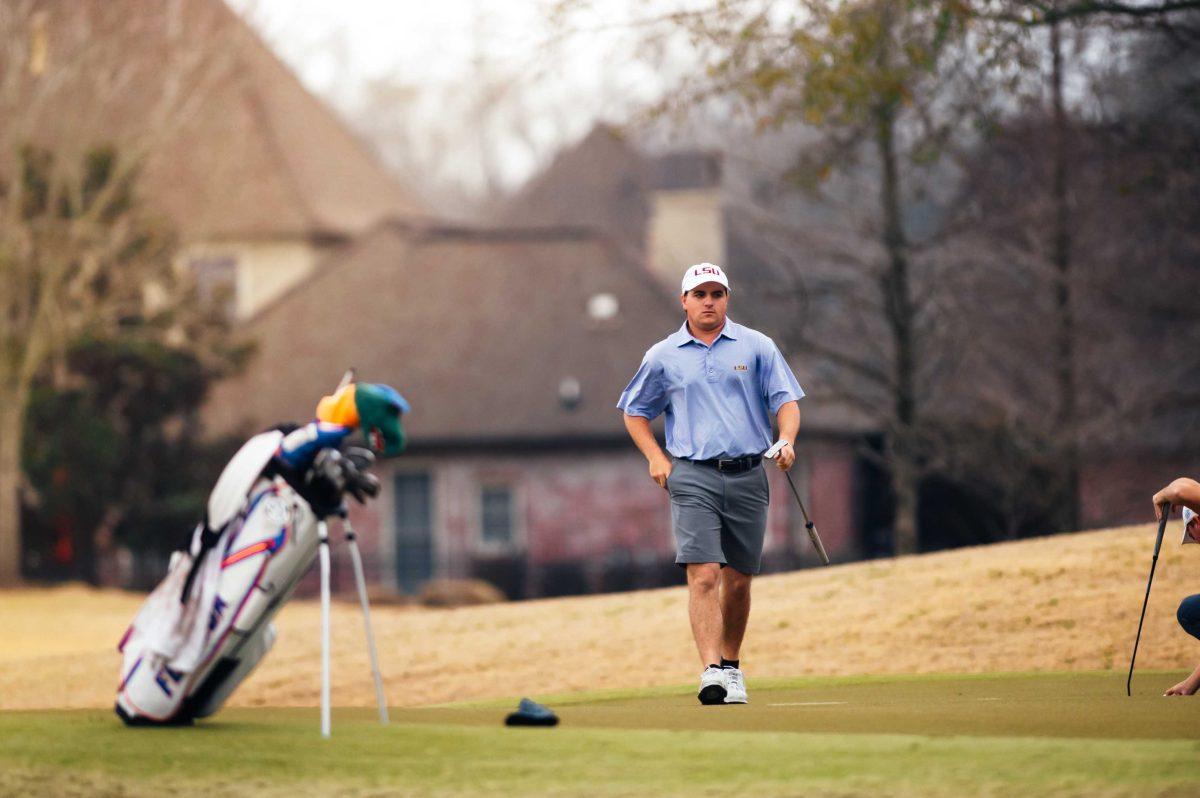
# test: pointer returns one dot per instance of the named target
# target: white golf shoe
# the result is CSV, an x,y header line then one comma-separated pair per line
x,y
712,686
735,686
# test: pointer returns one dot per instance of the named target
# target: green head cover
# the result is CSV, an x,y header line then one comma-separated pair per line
x,y
379,410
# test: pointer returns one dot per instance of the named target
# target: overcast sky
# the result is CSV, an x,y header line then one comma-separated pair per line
x,y
327,39
337,46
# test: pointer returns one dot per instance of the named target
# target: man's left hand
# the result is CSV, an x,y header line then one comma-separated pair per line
x,y
786,456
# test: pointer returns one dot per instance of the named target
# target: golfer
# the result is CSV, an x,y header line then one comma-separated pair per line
x,y
719,383
1185,493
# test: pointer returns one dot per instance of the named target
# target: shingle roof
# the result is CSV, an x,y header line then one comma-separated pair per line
x,y
606,182
254,154
477,328
603,181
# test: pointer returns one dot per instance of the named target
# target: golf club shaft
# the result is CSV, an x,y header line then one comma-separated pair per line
x,y
1162,526
380,700
808,524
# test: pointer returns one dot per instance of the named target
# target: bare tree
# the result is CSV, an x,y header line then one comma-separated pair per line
x,y
890,90
1063,31
1131,220
76,251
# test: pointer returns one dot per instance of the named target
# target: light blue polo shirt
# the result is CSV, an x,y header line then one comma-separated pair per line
x,y
719,399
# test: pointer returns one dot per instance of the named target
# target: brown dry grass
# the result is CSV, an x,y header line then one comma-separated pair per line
x,y
1061,603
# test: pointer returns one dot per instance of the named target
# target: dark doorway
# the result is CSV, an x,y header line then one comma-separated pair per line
x,y
414,531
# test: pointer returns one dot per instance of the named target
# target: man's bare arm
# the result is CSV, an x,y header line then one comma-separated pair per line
x,y
643,438
788,419
1182,491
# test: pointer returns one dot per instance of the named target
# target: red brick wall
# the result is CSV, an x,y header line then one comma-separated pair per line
x,y
583,508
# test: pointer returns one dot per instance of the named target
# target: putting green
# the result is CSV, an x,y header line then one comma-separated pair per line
x,y
1012,705
1064,734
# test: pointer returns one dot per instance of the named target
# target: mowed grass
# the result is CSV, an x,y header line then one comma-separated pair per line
x,y
1065,734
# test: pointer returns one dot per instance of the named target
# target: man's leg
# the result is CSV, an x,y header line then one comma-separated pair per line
x,y
735,611
704,610
744,524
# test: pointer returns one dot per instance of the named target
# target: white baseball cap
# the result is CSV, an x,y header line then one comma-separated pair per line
x,y
1188,515
703,273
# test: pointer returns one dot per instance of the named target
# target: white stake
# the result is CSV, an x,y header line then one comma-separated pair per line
x,y
323,535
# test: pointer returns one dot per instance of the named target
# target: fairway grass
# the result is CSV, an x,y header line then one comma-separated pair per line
x,y
1063,603
1042,735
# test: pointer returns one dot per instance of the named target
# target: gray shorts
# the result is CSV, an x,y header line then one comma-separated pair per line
x,y
718,517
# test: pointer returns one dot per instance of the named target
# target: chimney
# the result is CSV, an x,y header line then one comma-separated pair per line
x,y
687,224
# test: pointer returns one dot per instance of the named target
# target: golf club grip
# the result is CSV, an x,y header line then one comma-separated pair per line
x,y
1162,527
816,541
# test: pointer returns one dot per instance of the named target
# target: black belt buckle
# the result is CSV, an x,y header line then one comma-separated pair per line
x,y
735,465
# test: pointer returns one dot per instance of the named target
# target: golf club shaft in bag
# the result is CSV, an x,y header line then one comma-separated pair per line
x,y
1162,526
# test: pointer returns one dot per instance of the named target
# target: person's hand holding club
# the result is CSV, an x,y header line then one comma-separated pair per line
x,y
1179,493
783,453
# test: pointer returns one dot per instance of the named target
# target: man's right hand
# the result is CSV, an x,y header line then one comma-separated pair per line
x,y
660,469
1181,492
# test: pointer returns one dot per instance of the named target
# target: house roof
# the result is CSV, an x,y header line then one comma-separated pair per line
x,y
245,150
686,169
479,329
603,181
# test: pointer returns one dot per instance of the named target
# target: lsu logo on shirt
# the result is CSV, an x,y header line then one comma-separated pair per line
x,y
741,367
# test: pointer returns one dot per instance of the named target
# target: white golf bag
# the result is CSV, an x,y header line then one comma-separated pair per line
x,y
208,623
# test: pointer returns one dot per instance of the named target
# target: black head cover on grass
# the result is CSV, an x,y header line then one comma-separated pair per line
x,y
1162,526
531,713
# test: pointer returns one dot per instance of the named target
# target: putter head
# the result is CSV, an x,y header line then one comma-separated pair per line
x,y
773,452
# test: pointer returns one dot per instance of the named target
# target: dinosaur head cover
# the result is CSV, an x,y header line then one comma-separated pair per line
x,y
375,408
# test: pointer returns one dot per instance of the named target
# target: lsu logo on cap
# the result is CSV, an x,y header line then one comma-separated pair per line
x,y
703,273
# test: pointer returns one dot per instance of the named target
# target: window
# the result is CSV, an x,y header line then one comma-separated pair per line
x,y
216,282
570,392
603,306
496,516
38,44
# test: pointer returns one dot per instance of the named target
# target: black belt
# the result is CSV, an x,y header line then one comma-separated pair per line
x,y
730,465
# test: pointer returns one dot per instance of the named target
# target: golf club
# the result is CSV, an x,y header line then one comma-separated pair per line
x,y
808,524
1162,526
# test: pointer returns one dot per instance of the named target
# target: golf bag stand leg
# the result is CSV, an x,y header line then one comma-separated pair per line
x,y
323,536
361,581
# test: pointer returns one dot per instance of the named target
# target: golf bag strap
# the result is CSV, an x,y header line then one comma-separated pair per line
x,y
208,539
